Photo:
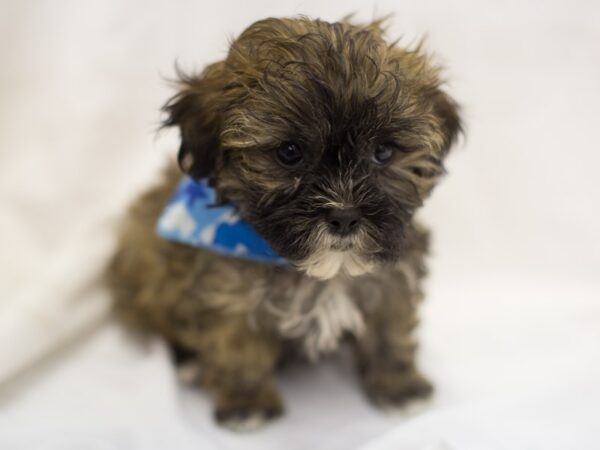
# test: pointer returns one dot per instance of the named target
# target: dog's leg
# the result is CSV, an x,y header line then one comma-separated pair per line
x,y
237,365
386,357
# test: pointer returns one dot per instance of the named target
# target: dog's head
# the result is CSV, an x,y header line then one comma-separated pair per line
x,y
325,136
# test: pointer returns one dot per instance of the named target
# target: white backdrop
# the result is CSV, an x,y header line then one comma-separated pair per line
x,y
511,326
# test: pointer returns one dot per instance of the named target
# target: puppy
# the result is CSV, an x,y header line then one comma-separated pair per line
x,y
326,139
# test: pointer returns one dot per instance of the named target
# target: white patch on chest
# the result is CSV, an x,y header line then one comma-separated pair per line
x,y
333,313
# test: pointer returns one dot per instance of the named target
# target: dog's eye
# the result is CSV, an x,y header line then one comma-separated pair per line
x,y
289,154
383,154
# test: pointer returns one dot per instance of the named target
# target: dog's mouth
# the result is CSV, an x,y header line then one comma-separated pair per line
x,y
343,244
311,245
333,254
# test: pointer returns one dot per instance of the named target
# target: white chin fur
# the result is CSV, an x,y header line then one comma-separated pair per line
x,y
326,265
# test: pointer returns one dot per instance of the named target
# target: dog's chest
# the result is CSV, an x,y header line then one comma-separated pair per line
x,y
318,315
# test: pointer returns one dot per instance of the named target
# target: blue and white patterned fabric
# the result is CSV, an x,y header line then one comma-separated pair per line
x,y
191,218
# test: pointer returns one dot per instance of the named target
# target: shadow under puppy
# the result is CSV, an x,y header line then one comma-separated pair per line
x,y
326,138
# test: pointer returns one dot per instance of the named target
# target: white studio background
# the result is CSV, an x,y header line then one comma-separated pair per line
x,y
511,328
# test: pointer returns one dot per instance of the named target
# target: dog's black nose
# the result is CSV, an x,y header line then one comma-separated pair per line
x,y
343,221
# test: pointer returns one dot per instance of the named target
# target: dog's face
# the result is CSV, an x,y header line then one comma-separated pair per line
x,y
325,136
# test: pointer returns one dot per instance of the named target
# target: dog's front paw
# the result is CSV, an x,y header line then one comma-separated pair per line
x,y
246,419
248,411
397,390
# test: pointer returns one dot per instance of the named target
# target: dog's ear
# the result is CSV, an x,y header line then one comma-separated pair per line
x,y
197,109
448,114
417,65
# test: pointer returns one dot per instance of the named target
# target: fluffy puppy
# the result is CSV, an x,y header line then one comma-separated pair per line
x,y
327,139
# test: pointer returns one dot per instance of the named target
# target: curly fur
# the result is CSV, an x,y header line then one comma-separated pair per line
x,y
338,91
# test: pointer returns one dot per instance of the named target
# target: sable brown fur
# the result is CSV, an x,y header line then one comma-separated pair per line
x,y
339,93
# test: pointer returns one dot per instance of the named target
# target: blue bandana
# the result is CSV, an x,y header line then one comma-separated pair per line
x,y
191,218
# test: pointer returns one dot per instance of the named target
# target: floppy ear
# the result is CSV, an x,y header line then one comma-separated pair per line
x,y
447,111
196,110
417,66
